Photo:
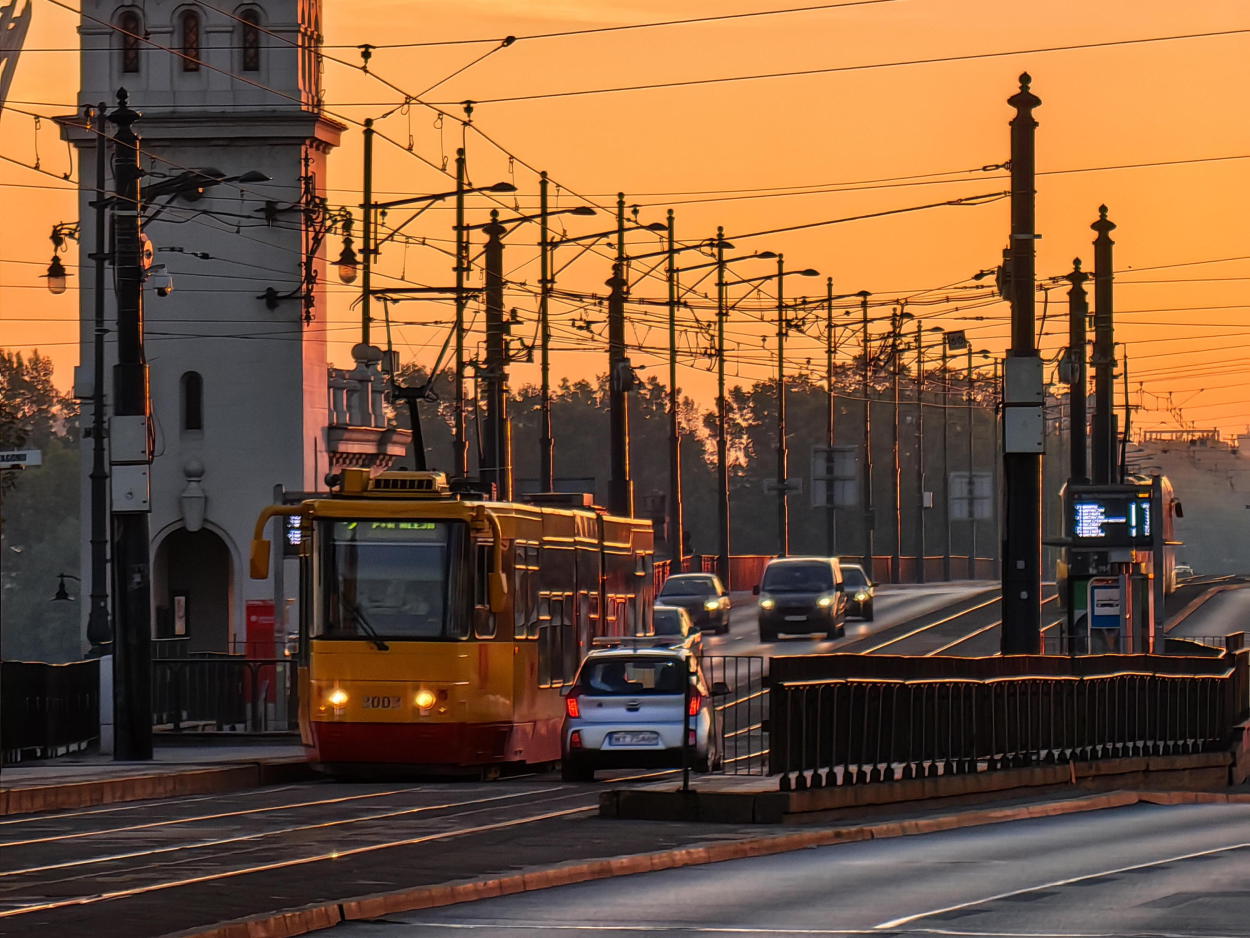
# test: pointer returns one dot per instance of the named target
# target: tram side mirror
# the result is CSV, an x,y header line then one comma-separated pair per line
x,y
260,559
498,592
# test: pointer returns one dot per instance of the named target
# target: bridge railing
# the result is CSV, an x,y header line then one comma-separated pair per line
x,y
742,716
48,710
847,719
225,694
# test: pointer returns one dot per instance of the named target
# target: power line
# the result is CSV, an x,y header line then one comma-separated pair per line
x,y
797,73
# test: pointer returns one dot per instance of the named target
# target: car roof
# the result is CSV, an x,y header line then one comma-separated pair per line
x,y
706,577
661,607
851,566
780,560
628,651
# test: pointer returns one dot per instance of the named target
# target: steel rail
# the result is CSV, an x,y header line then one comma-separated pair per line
x,y
931,625
978,632
260,835
334,855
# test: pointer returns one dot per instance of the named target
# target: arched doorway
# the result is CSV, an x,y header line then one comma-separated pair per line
x,y
192,586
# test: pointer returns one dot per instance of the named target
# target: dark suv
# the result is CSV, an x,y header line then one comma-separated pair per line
x,y
860,591
700,594
801,595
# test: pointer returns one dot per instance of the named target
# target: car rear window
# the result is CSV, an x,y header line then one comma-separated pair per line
x,y
631,677
667,621
687,588
798,577
854,577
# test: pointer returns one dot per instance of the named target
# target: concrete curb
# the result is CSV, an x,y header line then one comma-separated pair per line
x,y
312,918
202,781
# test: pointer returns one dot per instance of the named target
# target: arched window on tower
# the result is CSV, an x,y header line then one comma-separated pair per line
x,y
189,27
249,27
192,401
130,27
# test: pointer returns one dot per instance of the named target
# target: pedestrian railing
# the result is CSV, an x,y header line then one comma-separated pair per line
x,y
48,710
742,715
848,720
225,694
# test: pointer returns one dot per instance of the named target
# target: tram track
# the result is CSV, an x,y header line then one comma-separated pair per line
x,y
33,879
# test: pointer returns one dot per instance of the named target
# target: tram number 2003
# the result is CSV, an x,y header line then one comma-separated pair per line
x,y
381,702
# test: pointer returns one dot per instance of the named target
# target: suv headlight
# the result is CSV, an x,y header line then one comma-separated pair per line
x,y
711,605
861,595
827,600
766,601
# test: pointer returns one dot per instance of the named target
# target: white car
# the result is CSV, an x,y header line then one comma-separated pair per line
x,y
626,709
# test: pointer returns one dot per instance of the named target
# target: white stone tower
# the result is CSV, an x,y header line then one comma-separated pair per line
x,y
238,383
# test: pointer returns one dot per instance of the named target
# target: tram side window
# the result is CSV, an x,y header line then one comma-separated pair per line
x,y
549,635
525,606
483,566
568,635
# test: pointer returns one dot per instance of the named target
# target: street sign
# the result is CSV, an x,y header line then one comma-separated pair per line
x,y
1106,603
20,458
835,477
971,496
790,486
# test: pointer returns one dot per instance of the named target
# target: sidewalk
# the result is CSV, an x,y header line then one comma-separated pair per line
x,y
83,780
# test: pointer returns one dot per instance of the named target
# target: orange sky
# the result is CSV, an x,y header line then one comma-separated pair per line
x,y
1102,107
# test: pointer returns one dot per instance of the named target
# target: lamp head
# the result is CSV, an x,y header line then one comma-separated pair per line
x,y
656,226
254,175
347,262
809,272
62,594
502,187
56,276
582,210
766,255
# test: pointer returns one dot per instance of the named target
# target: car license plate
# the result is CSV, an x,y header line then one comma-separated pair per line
x,y
633,739
796,618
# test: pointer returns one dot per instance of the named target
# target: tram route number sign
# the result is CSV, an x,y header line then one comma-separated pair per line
x,y
1109,517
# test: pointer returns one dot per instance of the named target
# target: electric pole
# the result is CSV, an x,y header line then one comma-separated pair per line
x,y
1102,457
676,510
1023,437
866,390
1077,380
722,417
99,631
946,456
460,442
783,453
546,440
366,243
920,466
831,417
620,379
496,464
131,458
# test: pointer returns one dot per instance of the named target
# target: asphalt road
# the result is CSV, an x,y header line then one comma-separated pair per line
x,y
894,607
1144,870
1224,613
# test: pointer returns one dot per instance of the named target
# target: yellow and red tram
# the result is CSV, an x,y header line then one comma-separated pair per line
x,y
437,629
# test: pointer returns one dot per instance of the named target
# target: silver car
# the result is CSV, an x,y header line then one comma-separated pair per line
x,y
626,709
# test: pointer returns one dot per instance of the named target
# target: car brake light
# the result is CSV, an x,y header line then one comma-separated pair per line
x,y
696,704
575,739
572,707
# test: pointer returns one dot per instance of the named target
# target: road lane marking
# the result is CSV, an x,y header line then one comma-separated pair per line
x,y
148,804
908,919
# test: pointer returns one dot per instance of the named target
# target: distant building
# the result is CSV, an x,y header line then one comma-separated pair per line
x,y
243,399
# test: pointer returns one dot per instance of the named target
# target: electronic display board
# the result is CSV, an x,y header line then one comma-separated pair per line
x,y
1105,517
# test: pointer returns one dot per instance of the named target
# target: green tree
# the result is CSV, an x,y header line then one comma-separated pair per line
x,y
40,520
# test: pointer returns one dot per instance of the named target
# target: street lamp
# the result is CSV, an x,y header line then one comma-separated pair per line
x,y
56,276
62,594
783,455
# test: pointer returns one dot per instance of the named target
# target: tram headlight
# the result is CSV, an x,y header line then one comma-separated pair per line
x,y
425,699
337,697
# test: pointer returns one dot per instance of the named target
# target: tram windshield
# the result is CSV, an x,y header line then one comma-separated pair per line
x,y
388,579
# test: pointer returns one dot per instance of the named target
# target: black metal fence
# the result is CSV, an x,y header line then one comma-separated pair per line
x,y
224,694
886,719
742,715
48,710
